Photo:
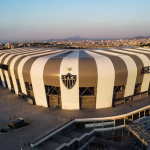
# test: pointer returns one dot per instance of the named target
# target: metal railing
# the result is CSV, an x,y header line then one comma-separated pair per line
x,y
79,142
49,134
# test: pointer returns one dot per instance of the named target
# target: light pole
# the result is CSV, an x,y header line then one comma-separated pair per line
x,y
65,113
122,138
8,104
115,110
20,143
7,98
58,120
146,100
23,105
112,136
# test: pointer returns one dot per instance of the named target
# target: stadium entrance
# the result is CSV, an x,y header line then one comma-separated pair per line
x,y
53,96
87,97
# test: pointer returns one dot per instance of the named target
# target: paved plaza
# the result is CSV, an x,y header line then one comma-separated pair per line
x,y
45,119
41,119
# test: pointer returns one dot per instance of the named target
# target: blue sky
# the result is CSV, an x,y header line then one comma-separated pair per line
x,y
46,19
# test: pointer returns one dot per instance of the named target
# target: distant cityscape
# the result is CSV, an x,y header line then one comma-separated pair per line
x,y
79,43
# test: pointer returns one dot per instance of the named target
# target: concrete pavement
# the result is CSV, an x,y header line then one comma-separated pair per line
x,y
45,119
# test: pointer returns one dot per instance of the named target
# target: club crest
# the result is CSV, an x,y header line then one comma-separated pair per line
x,y
68,80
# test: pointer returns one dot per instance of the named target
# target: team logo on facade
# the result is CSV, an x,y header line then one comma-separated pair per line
x,y
68,80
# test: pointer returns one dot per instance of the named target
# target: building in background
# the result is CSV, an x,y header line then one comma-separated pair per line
x,y
8,45
12,47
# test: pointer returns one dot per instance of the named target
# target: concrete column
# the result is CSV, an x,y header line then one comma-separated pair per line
x,y
144,112
114,122
124,121
139,115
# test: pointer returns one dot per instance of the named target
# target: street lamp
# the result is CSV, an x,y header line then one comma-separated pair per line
x,y
8,104
122,138
20,143
6,97
112,136
115,110
58,120
23,106
65,113
146,100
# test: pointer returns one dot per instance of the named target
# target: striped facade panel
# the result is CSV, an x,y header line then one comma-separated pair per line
x,y
87,70
36,75
138,62
121,71
1,54
12,64
16,66
6,72
52,70
21,58
9,61
106,80
24,68
131,72
4,77
5,61
146,53
70,97
12,67
144,49
1,71
23,72
16,52
146,62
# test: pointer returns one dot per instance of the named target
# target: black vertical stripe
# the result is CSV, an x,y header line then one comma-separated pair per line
x,y
52,70
88,74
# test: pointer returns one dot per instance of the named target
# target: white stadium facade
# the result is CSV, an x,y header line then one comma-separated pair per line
x,y
76,79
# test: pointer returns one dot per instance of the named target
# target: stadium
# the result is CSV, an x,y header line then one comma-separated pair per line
x,y
77,79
